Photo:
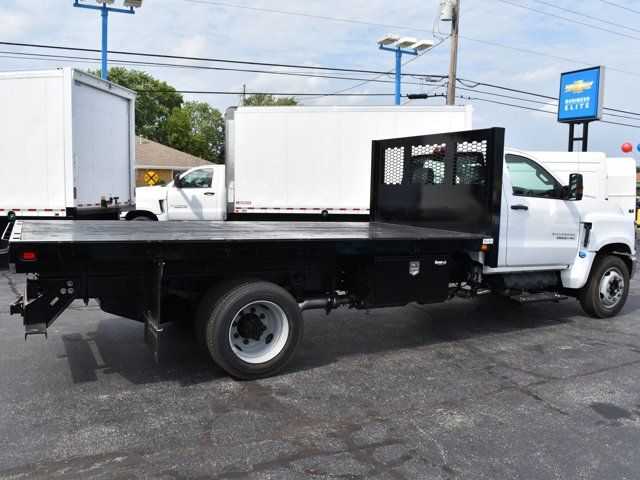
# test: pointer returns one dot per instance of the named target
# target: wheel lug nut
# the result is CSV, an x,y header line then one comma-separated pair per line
x,y
245,341
262,315
253,310
235,335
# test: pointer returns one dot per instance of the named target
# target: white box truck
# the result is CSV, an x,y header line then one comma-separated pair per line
x,y
66,145
294,161
611,179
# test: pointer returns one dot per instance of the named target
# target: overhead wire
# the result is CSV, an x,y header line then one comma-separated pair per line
x,y
623,7
536,109
574,12
542,12
486,42
540,102
18,55
320,74
386,73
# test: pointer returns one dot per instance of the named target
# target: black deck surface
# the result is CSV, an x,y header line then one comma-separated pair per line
x,y
97,231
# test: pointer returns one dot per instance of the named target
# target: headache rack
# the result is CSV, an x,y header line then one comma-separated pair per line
x,y
449,181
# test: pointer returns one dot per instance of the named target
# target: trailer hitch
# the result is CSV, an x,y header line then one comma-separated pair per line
x,y
45,300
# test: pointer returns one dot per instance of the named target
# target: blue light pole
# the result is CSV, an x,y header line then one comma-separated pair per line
x,y
399,47
399,52
105,23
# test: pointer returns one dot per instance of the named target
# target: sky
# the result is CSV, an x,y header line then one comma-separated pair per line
x,y
497,45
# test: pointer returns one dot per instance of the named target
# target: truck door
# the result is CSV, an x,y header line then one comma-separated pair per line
x,y
542,228
197,199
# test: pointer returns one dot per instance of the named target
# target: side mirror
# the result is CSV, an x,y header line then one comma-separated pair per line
x,y
176,181
575,187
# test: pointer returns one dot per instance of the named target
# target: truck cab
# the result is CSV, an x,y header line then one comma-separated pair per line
x,y
542,229
197,194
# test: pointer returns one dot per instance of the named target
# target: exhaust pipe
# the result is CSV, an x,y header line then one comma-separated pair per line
x,y
324,302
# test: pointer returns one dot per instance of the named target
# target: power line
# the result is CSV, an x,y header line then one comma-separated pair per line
x,y
181,57
555,57
375,78
496,44
39,56
540,102
275,94
537,109
491,85
542,12
623,7
307,15
271,71
615,24
337,69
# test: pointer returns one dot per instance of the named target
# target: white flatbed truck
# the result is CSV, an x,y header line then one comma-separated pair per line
x,y
451,215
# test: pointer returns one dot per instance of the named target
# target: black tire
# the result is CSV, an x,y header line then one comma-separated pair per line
x,y
208,301
142,218
591,299
219,326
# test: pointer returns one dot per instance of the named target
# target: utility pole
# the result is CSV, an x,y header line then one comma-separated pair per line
x,y
244,95
453,60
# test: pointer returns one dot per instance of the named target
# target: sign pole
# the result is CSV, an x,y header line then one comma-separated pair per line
x,y
572,127
585,136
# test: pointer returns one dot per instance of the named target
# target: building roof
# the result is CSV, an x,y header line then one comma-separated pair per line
x,y
150,154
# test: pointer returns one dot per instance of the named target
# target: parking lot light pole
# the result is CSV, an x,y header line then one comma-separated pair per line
x,y
104,9
402,46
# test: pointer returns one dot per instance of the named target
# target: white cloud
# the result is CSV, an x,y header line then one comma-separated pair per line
x,y
185,28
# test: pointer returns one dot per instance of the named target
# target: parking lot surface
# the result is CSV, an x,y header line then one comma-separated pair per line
x,y
465,390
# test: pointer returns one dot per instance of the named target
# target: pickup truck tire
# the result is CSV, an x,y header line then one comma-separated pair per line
x,y
253,329
607,287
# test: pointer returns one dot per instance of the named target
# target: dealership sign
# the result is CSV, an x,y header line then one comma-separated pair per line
x,y
581,95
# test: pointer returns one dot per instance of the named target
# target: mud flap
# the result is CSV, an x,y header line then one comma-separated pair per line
x,y
155,332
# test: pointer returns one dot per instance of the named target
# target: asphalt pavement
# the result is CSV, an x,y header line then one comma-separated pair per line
x,y
465,390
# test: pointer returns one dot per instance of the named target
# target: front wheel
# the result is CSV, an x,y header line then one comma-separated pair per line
x,y
253,329
607,288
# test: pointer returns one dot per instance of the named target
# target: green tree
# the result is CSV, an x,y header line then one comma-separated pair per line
x,y
208,123
267,100
179,133
155,102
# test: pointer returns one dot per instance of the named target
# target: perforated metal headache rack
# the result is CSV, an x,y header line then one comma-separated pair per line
x,y
450,181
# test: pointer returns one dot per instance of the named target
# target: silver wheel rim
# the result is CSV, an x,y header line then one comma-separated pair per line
x,y
611,287
258,332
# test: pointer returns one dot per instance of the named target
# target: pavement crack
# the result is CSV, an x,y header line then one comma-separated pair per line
x,y
12,285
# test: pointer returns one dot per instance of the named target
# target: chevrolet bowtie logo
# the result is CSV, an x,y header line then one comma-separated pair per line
x,y
578,86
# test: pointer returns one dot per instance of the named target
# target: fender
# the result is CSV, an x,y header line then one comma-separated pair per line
x,y
607,232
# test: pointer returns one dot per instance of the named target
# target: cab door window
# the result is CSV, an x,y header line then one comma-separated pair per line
x,y
197,179
528,179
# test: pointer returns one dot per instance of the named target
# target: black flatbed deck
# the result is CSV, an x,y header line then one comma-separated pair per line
x,y
61,245
102,231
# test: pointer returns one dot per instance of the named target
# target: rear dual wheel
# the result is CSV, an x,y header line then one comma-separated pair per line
x,y
251,329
